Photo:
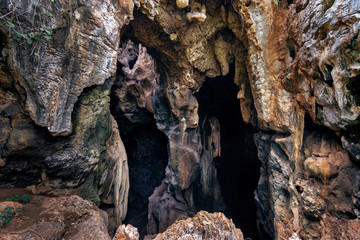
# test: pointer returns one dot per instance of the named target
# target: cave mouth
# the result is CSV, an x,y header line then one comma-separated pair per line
x,y
146,148
147,151
238,168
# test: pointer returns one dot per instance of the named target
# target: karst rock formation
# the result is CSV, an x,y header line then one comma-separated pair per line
x,y
123,103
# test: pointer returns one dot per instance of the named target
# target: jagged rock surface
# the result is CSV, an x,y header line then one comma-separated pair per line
x,y
322,187
203,225
292,60
49,83
64,218
74,58
127,232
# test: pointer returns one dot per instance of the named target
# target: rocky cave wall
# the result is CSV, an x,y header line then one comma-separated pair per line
x,y
296,65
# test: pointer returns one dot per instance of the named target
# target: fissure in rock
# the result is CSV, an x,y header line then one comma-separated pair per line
x,y
237,166
146,146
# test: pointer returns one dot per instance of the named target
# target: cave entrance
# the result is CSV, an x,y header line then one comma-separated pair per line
x,y
238,168
146,146
146,149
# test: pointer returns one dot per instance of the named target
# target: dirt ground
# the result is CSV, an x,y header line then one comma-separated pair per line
x,y
24,218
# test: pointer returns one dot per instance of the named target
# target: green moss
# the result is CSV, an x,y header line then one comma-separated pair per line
x,y
92,129
88,190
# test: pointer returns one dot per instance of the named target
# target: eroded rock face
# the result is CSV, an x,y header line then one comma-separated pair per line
x,y
79,163
67,56
327,61
127,232
63,218
308,196
115,186
203,225
291,59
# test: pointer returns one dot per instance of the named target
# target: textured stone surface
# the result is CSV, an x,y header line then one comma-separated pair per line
x,y
116,184
304,198
292,60
74,58
63,218
165,209
189,52
127,232
203,225
327,61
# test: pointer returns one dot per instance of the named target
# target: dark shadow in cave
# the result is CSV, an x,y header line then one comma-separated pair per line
x,y
146,149
238,168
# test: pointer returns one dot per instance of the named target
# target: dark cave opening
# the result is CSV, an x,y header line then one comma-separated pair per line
x,y
146,149
238,167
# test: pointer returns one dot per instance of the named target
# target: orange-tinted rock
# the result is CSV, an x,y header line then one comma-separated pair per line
x,y
61,218
203,225
127,232
304,199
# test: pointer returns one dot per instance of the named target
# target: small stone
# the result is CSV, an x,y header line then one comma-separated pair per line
x,y
173,36
182,3
196,17
127,232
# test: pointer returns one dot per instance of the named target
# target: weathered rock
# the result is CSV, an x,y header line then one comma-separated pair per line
x,y
127,232
29,155
55,69
197,14
203,225
165,209
63,218
303,199
117,183
291,59
135,89
182,3
324,38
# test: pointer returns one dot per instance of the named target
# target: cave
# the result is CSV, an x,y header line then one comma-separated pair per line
x,y
146,148
147,151
238,166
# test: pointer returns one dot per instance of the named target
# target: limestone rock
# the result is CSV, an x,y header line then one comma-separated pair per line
x,y
197,14
305,198
124,14
127,232
327,90
64,218
203,225
115,185
135,90
75,57
165,209
182,3
291,60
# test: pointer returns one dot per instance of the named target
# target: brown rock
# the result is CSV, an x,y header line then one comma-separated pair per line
x,y
165,209
309,197
61,218
127,232
182,3
203,225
